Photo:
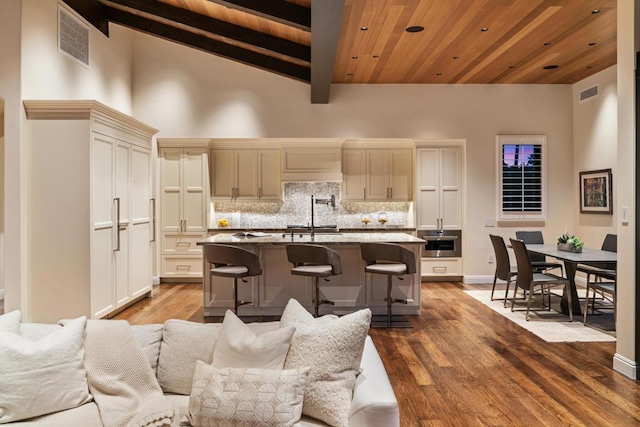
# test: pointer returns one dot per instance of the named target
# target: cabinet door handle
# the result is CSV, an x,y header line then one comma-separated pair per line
x,y
391,192
260,193
364,193
117,225
153,219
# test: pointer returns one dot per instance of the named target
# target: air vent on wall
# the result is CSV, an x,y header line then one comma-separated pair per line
x,y
589,93
73,37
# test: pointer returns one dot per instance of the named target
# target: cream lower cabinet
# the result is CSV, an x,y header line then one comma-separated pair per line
x,y
183,207
377,174
441,267
90,226
439,185
246,175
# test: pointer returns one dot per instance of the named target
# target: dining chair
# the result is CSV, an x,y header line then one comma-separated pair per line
x,y
601,271
538,262
314,261
528,278
504,270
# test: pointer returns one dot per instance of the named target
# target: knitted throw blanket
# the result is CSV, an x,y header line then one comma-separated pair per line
x,y
120,379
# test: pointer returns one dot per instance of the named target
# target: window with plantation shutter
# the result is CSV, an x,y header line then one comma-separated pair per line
x,y
521,177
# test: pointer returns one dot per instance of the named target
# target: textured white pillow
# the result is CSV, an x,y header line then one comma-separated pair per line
x,y
333,348
184,343
246,396
10,322
44,376
239,347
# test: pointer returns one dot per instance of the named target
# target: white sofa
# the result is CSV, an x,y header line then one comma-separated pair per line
x,y
172,350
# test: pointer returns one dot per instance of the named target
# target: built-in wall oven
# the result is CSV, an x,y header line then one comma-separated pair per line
x,y
441,243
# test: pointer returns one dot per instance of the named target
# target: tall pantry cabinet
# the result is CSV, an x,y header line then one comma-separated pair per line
x,y
184,202
90,228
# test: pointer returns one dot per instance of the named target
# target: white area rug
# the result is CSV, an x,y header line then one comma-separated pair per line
x,y
551,326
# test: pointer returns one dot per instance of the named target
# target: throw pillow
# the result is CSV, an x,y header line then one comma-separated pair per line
x,y
149,337
183,344
333,348
10,322
239,347
44,376
246,396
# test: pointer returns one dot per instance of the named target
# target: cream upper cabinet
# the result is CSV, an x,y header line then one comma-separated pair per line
x,y
245,175
439,188
377,174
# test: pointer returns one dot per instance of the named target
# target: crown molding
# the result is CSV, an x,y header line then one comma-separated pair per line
x,y
82,110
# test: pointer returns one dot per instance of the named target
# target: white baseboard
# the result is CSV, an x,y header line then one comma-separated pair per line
x,y
478,279
1,293
155,280
625,366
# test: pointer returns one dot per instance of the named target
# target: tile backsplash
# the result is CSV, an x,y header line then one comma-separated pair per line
x,y
296,210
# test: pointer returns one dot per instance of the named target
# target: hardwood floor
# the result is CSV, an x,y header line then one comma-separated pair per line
x,y
464,365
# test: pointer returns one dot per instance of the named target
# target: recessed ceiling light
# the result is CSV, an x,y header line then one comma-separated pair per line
x,y
414,29
595,11
364,28
593,44
547,44
550,67
354,57
484,29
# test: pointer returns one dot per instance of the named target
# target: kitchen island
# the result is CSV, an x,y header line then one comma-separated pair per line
x,y
350,291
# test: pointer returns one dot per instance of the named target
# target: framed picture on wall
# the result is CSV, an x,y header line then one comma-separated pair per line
x,y
596,192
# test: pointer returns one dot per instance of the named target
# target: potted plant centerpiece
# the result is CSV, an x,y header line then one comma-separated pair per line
x,y
569,243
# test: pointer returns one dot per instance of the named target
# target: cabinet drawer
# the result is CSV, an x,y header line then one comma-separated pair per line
x,y
182,243
174,266
441,266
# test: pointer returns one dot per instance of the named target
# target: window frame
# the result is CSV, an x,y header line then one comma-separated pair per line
x,y
501,141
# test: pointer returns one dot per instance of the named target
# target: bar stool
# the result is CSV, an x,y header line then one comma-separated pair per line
x,y
234,262
314,261
391,260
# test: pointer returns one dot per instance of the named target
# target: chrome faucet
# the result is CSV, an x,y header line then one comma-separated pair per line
x,y
331,201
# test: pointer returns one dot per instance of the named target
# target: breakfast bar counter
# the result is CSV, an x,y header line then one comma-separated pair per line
x,y
271,291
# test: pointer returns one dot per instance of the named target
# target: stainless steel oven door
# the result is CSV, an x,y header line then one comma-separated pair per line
x,y
441,243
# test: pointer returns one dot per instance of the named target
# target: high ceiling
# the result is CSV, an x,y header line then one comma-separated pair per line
x,y
365,41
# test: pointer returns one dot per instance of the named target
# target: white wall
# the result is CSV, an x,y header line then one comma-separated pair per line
x,y
595,146
47,74
14,199
626,358
188,93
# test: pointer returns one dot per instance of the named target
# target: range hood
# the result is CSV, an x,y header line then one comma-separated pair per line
x,y
312,162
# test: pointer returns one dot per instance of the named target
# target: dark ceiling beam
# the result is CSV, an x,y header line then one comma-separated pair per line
x,y
220,28
326,21
207,44
280,11
92,11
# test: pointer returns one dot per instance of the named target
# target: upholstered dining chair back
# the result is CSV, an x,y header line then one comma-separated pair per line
x,y
374,253
503,265
609,244
525,271
532,238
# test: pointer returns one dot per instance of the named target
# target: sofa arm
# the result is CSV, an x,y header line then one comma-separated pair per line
x,y
374,402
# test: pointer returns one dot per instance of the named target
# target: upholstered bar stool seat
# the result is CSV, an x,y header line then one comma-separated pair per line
x,y
390,260
234,262
314,261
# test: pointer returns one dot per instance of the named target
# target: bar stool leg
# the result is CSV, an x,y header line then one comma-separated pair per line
x,y
389,300
316,296
235,296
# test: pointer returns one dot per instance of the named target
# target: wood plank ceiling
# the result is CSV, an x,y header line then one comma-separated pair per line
x,y
463,41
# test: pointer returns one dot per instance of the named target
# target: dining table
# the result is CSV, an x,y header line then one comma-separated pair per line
x,y
571,260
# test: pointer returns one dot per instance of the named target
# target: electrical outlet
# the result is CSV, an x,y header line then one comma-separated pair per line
x,y
491,258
